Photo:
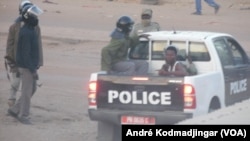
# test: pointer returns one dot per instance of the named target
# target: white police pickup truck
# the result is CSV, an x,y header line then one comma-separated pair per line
x,y
223,79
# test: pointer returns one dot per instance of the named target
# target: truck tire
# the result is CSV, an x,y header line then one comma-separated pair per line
x,y
214,105
108,132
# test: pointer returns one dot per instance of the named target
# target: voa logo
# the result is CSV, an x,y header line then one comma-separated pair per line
x,y
238,86
126,97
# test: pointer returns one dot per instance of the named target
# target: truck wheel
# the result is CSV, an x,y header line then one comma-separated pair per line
x,y
214,105
108,132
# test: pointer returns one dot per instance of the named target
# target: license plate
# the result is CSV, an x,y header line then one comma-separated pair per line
x,y
137,120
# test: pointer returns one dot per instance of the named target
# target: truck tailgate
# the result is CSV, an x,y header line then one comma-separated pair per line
x,y
152,93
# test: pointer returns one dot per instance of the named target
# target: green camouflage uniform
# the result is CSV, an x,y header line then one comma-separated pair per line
x,y
114,52
146,25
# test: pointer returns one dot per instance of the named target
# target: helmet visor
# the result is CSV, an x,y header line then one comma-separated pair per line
x,y
35,10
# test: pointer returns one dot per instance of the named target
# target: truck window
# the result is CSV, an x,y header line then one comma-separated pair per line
x,y
223,52
158,47
198,51
157,50
238,54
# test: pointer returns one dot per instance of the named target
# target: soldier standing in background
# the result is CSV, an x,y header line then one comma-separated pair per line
x,y
146,25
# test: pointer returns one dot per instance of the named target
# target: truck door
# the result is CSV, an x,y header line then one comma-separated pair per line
x,y
235,66
239,90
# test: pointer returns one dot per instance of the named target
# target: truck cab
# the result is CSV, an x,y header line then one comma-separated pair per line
x,y
209,51
222,79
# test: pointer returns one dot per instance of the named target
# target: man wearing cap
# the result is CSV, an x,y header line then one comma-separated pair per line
x,y
146,25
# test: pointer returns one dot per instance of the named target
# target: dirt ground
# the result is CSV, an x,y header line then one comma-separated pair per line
x,y
73,35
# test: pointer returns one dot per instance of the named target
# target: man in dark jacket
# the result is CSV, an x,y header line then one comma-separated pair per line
x,y
27,59
10,57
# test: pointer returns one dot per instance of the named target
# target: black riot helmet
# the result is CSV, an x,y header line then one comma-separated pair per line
x,y
23,4
30,13
125,24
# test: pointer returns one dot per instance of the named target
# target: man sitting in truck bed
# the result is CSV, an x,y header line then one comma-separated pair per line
x,y
172,67
114,55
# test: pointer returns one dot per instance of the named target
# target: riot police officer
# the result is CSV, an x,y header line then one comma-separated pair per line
x,y
114,55
27,60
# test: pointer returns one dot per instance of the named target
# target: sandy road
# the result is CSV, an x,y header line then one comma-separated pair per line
x,y
73,35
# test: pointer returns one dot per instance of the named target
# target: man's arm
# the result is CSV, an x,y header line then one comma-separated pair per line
x,y
105,60
110,53
38,31
163,69
179,71
10,43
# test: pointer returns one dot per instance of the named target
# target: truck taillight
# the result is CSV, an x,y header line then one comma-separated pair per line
x,y
92,94
189,97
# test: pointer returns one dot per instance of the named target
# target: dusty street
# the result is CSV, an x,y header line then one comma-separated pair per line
x,y
73,35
